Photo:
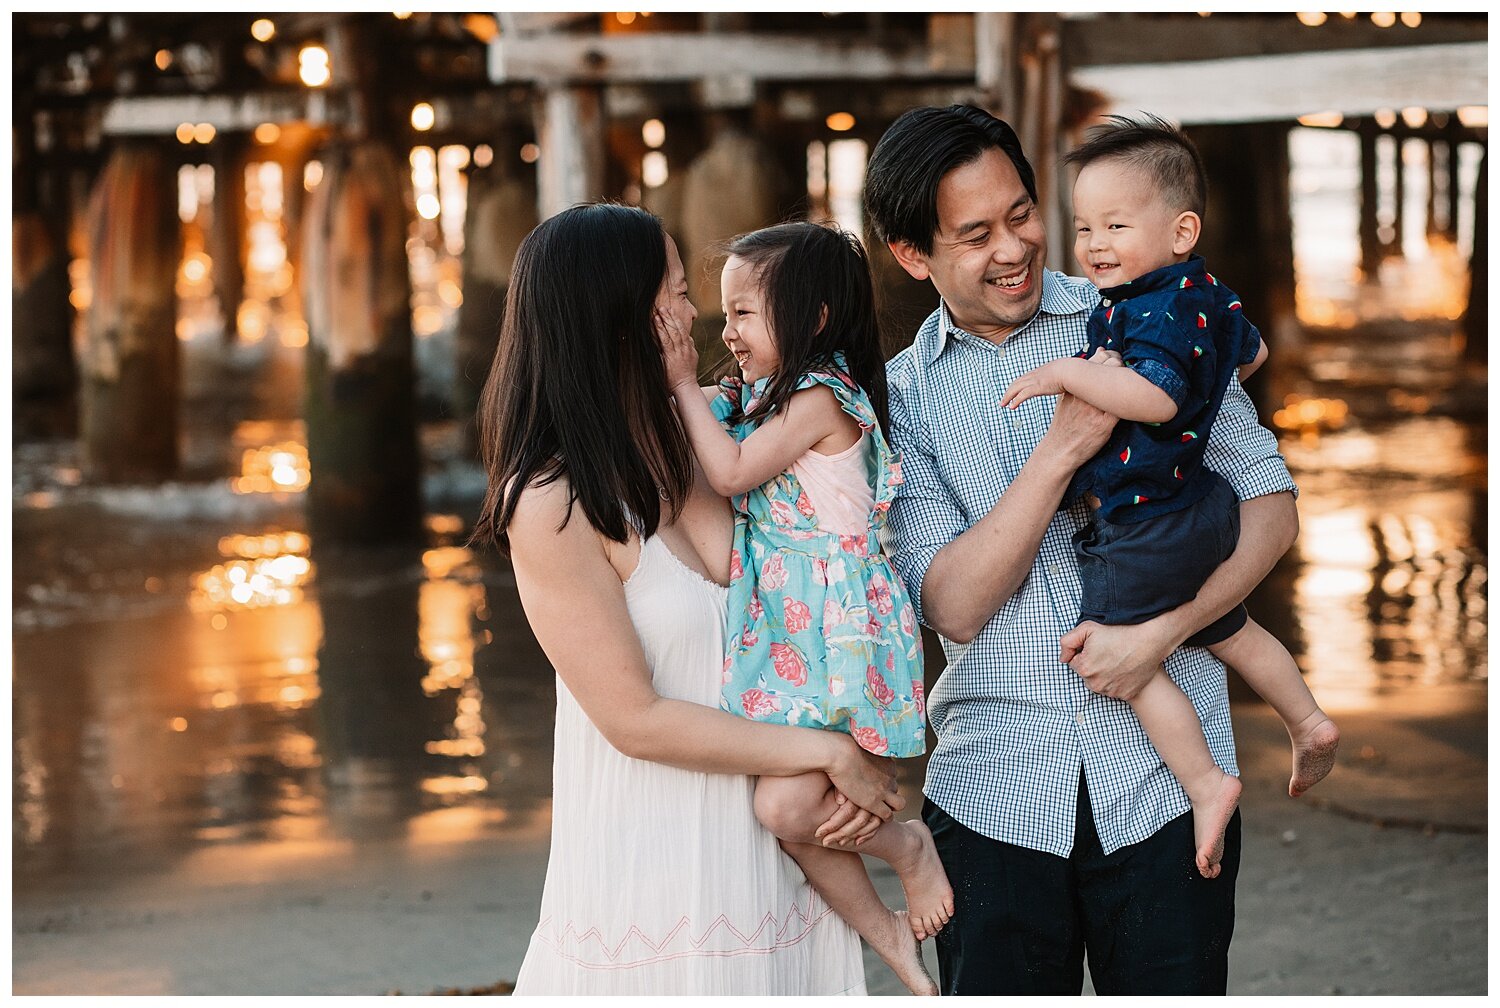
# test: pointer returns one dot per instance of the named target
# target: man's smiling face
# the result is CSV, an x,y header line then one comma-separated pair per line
x,y
988,252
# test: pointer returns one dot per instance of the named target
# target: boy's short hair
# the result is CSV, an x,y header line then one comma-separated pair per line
x,y
1157,147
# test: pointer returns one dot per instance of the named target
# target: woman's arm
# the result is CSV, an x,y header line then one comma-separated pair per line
x,y
564,574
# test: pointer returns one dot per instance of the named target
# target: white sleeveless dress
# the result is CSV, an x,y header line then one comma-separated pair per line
x,y
660,880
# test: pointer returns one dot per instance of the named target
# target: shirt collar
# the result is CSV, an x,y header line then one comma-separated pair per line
x,y
1058,298
1168,277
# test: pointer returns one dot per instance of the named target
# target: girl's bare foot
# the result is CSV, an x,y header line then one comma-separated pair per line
x,y
903,955
929,897
1315,744
1210,819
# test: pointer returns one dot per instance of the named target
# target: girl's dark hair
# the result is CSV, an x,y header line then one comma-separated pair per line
x,y
578,388
914,154
802,268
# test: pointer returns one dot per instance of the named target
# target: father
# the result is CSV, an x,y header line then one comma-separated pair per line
x,y
1060,828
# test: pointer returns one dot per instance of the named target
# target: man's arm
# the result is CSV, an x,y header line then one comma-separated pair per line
x,y
1117,661
960,575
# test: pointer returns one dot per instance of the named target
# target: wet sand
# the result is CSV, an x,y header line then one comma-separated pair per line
x,y
1347,893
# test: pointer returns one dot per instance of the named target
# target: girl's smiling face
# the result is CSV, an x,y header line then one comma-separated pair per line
x,y
747,325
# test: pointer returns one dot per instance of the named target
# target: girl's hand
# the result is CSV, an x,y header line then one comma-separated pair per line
x,y
679,354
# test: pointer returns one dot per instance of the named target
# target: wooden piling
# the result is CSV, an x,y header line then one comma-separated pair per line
x,y
225,237
502,209
1369,200
1477,313
360,405
1247,233
570,133
1398,220
130,362
44,374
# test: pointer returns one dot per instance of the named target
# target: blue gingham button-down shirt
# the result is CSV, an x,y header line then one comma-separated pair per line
x,y
1015,726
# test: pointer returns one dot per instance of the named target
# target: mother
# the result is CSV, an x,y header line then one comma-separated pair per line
x,y
660,880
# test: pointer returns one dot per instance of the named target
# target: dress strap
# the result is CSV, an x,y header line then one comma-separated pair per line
x,y
856,402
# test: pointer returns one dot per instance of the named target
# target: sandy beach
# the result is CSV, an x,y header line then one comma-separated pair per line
x,y
1375,886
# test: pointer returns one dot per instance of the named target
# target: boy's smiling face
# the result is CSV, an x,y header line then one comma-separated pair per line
x,y
1123,227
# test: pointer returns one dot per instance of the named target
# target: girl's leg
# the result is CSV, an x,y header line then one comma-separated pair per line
x,y
1174,729
794,807
840,878
1269,668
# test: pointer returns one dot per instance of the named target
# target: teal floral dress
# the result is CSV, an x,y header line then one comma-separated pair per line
x,y
821,631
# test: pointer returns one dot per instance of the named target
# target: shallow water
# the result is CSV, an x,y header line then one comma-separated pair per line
x,y
192,670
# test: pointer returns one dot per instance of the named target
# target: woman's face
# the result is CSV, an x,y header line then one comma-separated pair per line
x,y
672,299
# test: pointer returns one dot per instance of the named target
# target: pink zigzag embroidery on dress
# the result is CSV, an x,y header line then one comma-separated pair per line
x,y
556,942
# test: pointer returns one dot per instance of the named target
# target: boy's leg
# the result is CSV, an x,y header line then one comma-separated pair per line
x,y
1269,669
792,808
1152,924
1016,926
1170,722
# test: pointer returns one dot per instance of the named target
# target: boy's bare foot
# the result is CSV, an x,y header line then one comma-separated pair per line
x,y
904,957
1210,819
1315,744
929,897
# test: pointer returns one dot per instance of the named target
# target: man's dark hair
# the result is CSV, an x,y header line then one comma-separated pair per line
x,y
1155,146
918,149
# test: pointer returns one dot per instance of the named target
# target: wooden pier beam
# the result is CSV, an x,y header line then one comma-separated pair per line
x,y
130,363
360,404
1398,219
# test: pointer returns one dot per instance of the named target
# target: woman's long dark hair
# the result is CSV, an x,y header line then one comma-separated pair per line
x,y
578,389
801,268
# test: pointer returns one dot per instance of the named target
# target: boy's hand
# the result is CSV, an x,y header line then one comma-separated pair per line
x,y
1045,380
679,353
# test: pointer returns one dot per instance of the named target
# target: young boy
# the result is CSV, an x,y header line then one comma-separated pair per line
x,y
1163,521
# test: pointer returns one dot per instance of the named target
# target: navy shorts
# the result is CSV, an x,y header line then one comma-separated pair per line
x,y
1132,572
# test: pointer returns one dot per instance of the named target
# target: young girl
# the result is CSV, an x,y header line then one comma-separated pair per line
x,y
821,631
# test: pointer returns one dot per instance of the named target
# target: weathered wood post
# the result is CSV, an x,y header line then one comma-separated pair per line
x,y
225,238
570,133
502,209
1369,200
360,403
1398,222
130,362
44,374
734,162
1247,233
1477,314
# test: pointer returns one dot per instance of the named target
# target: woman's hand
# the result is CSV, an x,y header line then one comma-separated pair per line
x,y
849,826
868,781
679,354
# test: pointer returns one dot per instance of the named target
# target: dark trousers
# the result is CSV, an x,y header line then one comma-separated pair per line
x,y
1024,919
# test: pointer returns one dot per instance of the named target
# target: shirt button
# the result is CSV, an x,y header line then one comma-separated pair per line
x,y
1052,569
1105,302
1078,717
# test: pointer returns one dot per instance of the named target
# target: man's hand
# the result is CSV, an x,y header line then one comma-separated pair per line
x,y
1116,661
